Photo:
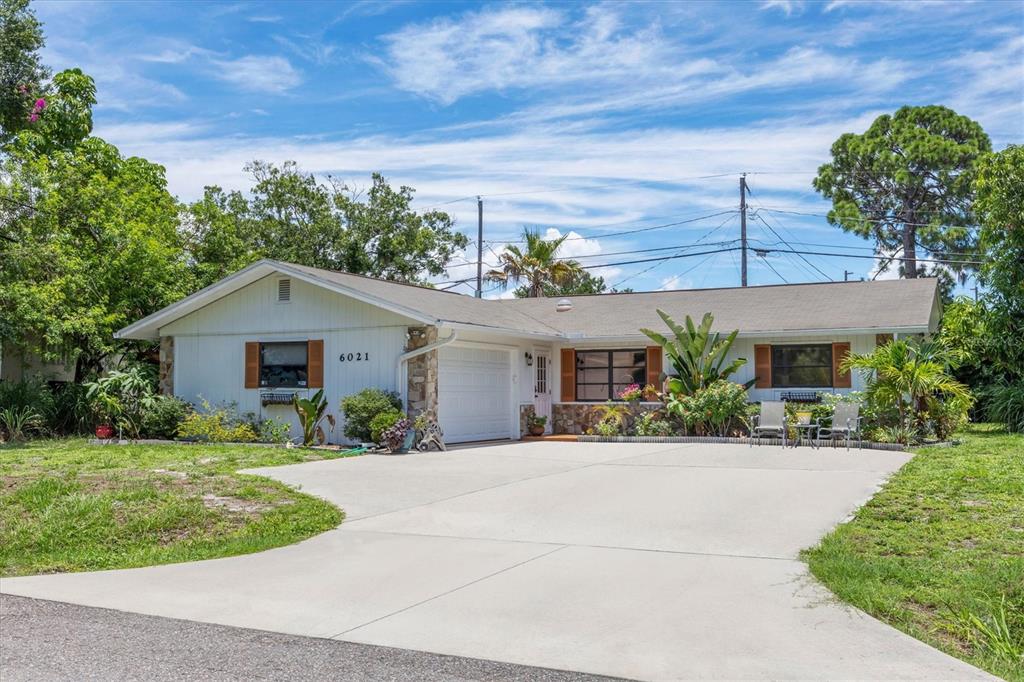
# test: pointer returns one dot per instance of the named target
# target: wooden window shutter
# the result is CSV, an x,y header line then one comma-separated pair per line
x,y
567,394
315,363
840,379
763,365
654,366
252,364
882,339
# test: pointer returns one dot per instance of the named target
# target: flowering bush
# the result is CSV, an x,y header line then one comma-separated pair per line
x,y
216,424
632,393
713,410
393,437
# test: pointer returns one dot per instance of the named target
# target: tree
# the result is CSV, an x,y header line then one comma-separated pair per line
x,y
580,284
291,216
21,73
385,238
907,182
538,266
697,355
1000,205
911,376
96,247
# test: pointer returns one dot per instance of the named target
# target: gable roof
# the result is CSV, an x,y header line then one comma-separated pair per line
x,y
892,305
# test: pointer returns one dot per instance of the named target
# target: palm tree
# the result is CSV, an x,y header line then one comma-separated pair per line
x,y
910,375
537,266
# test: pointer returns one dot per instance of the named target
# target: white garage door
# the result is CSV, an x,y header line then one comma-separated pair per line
x,y
474,387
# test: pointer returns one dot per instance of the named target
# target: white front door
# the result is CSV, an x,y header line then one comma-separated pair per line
x,y
542,388
474,393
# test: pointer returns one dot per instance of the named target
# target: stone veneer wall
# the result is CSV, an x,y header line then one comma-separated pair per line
x,y
578,418
166,377
526,410
422,372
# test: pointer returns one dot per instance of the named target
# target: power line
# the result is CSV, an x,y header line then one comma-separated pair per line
x,y
856,255
651,250
684,248
772,268
633,231
771,209
765,223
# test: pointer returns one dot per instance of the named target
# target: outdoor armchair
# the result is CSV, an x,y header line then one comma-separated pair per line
x,y
845,424
770,422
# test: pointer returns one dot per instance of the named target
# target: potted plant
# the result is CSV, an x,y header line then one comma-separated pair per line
x,y
107,409
535,425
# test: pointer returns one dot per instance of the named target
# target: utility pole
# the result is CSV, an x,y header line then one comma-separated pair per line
x,y
846,275
975,292
743,228
479,247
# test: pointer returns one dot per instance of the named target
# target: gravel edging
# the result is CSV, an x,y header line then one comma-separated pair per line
x,y
48,640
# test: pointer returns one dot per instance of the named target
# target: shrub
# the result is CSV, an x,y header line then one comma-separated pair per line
x,y
393,437
383,422
360,409
216,424
607,427
19,422
821,412
713,410
123,397
163,416
312,412
947,416
1005,403
27,405
653,424
272,430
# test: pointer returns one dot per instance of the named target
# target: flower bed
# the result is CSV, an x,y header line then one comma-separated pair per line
x,y
837,444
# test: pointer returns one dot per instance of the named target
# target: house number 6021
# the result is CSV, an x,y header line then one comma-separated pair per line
x,y
353,357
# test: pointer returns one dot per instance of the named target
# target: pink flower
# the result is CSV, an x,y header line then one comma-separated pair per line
x,y
40,104
33,117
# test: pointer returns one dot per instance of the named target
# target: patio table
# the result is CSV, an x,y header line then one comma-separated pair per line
x,y
806,432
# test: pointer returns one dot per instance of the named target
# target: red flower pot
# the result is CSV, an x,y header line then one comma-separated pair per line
x,y
104,431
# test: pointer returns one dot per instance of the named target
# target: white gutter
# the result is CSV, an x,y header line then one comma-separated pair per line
x,y
404,358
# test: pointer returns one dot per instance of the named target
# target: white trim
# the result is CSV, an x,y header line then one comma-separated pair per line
x,y
508,331
574,341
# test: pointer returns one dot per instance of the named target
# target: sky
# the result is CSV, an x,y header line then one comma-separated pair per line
x,y
624,125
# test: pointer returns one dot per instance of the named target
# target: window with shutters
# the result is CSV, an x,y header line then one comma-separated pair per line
x,y
284,364
802,366
601,374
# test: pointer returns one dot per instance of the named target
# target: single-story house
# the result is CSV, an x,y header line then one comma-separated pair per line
x,y
273,329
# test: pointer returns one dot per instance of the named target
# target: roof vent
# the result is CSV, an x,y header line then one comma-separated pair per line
x,y
284,290
563,305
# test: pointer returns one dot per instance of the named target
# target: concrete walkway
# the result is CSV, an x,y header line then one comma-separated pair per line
x,y
648,561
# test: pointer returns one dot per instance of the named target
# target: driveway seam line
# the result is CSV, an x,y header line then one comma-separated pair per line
x,y
564,545
447,592
617,463
480,490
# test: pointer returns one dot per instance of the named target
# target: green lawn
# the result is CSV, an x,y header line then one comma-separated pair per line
x,y
939,551
66,505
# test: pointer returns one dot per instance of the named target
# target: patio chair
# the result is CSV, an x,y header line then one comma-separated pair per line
x,y
770,422
845,424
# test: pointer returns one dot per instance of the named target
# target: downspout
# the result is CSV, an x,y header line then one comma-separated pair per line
x,y
405,357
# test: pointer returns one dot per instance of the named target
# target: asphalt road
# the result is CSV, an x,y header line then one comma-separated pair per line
x,y
47,640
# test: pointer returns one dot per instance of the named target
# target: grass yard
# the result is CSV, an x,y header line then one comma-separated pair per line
x,y
939,551
66,505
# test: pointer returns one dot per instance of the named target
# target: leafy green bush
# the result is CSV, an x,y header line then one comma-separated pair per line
x,y
382,422
124,397
654,424
1005,403
272,430
162,417
216,424
19,423
360,408
27,404
822,412
714,410
607,427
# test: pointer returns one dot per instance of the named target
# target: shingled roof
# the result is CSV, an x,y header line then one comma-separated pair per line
x,y
909,306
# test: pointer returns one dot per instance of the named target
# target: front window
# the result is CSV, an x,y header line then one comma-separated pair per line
x,y
284,364
601,374
803,366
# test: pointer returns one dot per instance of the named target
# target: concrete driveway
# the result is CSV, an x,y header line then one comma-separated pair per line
x,y
649,561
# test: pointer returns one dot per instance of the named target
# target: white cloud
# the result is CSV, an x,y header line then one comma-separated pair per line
x,y
273,75
788,7
518,47
675,282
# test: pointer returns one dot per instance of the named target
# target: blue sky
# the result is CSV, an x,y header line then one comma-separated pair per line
x,y
593,118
